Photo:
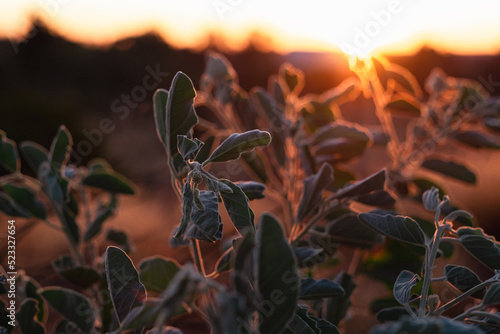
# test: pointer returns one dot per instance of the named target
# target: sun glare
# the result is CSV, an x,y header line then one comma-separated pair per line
x,y
355,27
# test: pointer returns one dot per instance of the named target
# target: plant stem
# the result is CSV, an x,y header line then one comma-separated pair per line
x,y
439,279
196,254
428,266
409,310
468,312
353,266
485,314
380,100
52,225
464,296
451,240
313,221
88,221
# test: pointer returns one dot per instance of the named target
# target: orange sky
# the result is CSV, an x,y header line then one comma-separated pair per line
x,y
396,26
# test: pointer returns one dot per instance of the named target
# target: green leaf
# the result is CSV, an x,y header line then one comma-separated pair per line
x,y
403,285
308,256
379,198
72,204
243,273
180,115
293,77
142,316
147,315
54,184
206,224
238,209
60,149
10,208
340,141
277,277
410,108
112,182
31,290
492,123
313,190
367,185
126,290
82,277
238,143
346,91
299,326
273,114
219,77
400,228
277,90
179,166
72,305
26,318
404,79
98,165
103,214
187,209
463,279
166,306
313,289
256,164
34,154
337,307
197,199
483,248
451,169
430,199
305,322
391,314
188,148
326,327
457,214
350,231
466,230
70,226
9,157
476,139
269,108
339,130
341,178
492,296
160,112
121,238
217,186
219,68
427,325
204,151
224,263
66,327
253,190
157,272
436,81
230,314
381,72
26,200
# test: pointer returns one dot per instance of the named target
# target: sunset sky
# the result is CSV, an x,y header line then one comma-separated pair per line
x,y
397,26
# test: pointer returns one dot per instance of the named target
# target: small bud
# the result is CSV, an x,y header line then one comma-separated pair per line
x,y
433,302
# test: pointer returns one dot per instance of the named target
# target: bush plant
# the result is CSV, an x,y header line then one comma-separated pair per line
x,y
298,150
